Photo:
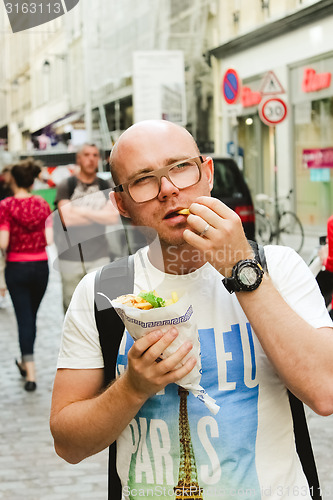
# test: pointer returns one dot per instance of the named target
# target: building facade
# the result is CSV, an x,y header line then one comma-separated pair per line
x,y
283,53
73,77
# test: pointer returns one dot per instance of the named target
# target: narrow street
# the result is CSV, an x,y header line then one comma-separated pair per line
x,y
29,467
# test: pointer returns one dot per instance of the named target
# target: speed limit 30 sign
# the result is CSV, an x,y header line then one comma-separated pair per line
x,y
272,111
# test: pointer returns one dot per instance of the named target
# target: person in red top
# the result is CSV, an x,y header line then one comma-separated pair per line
x,y
326,255
24,237
329,260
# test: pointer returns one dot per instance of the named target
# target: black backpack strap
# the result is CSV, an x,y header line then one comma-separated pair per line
x,y
259,254
112,280
104,186
301,431
71,183
303,445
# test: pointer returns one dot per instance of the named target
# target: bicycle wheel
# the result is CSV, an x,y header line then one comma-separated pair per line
x,y
291,232
263,228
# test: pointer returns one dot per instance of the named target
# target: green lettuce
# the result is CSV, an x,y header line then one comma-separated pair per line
x,y
152,299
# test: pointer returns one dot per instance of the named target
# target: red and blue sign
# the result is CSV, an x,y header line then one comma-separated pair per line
x,y
231,86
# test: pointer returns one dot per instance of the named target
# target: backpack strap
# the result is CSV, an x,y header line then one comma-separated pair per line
x,y
259,254
303,445
104,186
112,280
71,184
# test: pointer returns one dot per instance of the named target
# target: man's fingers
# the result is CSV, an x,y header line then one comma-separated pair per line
x,y
153,344
195,240
217,206
202,226
168,364
205,214
182,371
157,349
142,344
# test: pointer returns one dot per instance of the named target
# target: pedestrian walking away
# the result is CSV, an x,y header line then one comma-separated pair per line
x,y
326,257
217,331
24,237
84,210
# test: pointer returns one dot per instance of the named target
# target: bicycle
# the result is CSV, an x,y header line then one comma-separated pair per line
x,y
286,228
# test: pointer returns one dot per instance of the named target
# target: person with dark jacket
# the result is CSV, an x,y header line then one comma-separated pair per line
x,y
23,238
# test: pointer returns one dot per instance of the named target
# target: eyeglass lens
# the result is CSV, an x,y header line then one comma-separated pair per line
x,y
183,175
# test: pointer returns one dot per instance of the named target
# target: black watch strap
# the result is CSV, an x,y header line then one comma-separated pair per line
x,y
231,284
235,283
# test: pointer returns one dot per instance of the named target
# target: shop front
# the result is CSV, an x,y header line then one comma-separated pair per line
x,y
312,102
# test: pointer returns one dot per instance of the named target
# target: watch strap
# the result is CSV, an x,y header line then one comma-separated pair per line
x,y
233,284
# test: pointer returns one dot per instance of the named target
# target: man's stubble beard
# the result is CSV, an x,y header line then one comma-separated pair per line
x,y
152,235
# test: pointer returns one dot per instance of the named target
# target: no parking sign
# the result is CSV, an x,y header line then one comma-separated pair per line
x,y
230,86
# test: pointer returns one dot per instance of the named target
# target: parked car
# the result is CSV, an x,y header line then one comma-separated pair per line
x,y
231,188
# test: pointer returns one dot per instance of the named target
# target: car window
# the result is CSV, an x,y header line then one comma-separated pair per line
x,y
227,181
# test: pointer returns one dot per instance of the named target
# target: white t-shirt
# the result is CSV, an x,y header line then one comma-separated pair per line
x,y
247,449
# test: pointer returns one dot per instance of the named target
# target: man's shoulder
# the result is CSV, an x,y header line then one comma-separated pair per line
x,y
66,187
66,183
284,262
280,252
67,180
103,184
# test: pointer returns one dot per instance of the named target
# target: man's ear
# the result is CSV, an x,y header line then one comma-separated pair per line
x,y
209,171
118,203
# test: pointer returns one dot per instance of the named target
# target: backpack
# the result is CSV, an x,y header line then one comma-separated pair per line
x,y
107,283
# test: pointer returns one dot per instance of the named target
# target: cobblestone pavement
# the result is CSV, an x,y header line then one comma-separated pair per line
x,y
29,467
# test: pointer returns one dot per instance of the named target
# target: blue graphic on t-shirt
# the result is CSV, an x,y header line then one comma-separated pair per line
x,y
237,395
223,444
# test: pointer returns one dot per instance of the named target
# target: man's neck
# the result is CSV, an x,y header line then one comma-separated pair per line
x,y
173,259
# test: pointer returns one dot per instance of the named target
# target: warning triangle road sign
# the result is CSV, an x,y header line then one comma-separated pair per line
x,y
271,85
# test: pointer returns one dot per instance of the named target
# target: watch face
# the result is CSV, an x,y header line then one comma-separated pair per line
x,y
248,275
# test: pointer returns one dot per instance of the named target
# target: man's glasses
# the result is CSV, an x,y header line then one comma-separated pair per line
x,y
146,187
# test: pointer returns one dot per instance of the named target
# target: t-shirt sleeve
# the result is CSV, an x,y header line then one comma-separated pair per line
x,y
80,347
62,192
297,285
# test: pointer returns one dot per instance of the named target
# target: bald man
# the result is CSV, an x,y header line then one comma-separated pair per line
x,y
271,334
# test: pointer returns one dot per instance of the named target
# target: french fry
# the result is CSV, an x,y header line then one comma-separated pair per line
x,y
138,302
184,211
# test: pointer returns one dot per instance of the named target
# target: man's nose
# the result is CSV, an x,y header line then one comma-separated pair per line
x,y
167,188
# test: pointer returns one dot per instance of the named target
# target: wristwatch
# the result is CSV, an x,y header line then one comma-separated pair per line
x,y
246,276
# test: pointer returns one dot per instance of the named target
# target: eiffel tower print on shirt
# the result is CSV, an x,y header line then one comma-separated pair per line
x,y
188,487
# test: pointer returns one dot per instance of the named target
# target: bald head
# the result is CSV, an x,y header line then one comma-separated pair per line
x,y
146,140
